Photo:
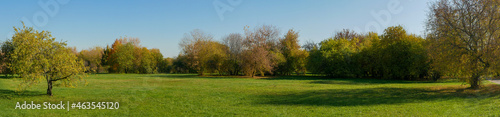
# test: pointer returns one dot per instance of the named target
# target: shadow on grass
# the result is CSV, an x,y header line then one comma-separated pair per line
x,y
194,76
375,96
344,81
299,78
9,94
3,76
314,79
174,75
362,82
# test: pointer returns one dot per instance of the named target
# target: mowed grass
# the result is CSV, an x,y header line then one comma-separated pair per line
x,y
190,95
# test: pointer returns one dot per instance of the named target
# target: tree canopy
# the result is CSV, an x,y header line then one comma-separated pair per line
x,y
38,56
464,38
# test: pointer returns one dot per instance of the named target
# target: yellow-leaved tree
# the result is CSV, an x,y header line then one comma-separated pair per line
x,y
37,56
464,38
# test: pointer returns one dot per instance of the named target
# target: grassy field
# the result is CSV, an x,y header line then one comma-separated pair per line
x,y
189,95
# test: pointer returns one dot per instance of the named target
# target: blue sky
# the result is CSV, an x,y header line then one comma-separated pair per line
x,y
162,23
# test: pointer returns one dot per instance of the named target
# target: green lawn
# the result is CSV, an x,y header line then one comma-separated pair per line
x,y
189,95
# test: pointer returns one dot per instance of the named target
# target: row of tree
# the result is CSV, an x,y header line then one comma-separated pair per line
x,y
125,55
258,52
393,55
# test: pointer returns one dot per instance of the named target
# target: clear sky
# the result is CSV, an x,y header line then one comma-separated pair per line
x,y
162,23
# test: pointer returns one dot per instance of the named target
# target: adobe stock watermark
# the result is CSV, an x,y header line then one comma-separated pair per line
x,y
222,7
49,9
382,17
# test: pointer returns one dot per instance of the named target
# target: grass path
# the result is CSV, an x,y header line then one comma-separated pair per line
x,y
495,81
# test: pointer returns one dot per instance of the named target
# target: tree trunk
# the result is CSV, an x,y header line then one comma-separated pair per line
x,y
201,73
474,81
49,89
253,72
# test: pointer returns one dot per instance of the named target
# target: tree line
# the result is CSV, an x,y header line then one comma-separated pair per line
x,y
392,55
258,52
262,51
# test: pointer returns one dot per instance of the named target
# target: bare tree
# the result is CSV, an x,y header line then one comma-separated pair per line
x,y
234,42
260,50
310,45
347,34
